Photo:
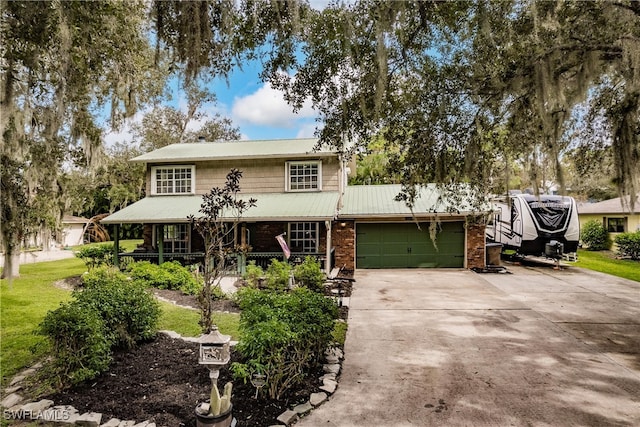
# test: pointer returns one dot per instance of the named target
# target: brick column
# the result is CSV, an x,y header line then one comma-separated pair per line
x,y
475,245
343,238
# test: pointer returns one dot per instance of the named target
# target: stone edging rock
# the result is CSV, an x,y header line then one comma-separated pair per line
x,y
333,359
15,408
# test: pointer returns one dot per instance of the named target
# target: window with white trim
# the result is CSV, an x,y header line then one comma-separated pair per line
x,y
303,236
173,180
304,176
176,238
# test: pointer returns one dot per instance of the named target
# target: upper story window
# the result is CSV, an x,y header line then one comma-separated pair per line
x,y
304,176
172,180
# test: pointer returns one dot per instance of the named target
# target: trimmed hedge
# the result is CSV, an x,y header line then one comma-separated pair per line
x,y
595,236
111,312
169,275
629,244
282,334
81,348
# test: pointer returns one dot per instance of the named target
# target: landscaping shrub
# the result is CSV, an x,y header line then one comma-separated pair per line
x,y
310,274
278,274
168,275
253,274
595,236
282,335
96,255
81,348
629,244
130,313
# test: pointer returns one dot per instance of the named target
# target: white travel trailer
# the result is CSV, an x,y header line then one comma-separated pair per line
x,y
535,225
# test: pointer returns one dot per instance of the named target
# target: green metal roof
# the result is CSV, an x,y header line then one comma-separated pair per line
x,y
370,201
316,206
256,149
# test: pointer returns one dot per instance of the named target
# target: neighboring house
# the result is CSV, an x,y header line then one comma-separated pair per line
x,y
615,216
72,232
302,193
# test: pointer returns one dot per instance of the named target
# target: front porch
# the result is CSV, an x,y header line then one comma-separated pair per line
x,y
236,263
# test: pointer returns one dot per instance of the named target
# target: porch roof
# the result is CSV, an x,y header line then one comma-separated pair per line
x,y
317,206
254,149
377,201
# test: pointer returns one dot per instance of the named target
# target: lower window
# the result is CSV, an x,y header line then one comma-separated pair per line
x,y
615,225
303,236
176,238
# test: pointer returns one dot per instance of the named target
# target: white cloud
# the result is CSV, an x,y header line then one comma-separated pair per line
x,y
267,107
307,130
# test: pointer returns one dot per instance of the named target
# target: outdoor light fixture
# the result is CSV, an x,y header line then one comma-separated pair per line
x,y
343,224
214,352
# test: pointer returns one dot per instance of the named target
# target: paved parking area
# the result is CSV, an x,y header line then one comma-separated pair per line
x,y
537,347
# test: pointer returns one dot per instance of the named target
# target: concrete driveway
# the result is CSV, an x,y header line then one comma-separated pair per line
x,y
537,347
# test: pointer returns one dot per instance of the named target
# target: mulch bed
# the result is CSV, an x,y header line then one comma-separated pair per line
x,y
162,381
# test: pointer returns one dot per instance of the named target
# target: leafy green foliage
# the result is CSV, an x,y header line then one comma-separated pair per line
x,y
595,236
96,255
629,244
253,274
169,275
81,348
309,274
111,312
282,335
129,311
278,274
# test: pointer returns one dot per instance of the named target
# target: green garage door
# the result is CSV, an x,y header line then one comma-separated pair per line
x,y
385,245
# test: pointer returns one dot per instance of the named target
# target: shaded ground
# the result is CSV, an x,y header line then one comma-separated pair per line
x,y
161,381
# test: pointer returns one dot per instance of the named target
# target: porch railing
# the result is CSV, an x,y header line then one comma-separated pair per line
x,y
237,262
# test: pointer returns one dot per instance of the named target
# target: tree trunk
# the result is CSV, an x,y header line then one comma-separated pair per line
x,y
11,266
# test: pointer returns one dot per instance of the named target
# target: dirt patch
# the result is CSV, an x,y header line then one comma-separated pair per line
x,y
162,381
69,284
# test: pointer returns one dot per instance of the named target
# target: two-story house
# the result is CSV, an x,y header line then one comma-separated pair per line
x,y
302,194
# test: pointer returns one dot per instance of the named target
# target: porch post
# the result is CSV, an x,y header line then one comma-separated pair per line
x,y
160,236
116,246
327,263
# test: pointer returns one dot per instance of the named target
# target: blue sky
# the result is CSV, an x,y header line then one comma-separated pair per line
x,y
257,109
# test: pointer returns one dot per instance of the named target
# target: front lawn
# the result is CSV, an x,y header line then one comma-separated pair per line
x,y
605,262
33,294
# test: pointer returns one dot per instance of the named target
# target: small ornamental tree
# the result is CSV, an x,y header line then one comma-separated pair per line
x,y
221,210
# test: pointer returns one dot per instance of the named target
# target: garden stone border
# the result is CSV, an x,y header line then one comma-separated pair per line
x,y
15,408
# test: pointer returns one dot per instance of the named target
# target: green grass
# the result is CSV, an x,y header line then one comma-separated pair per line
x,y
32,295
24,305
604,262
340,333
185,322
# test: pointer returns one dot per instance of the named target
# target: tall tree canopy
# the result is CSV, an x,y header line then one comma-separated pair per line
x,y
458,85
459,89
462,88
62,63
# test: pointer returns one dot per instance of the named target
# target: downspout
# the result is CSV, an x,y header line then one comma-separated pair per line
x,y
327,263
